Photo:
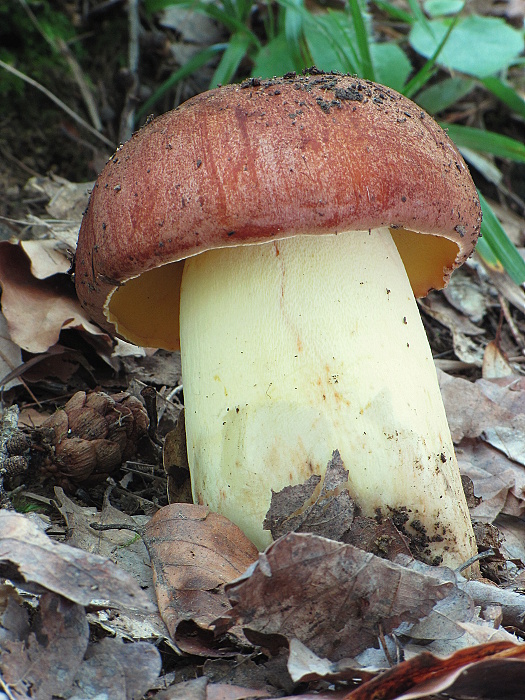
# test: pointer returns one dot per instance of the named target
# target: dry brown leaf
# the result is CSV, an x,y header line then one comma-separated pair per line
x,y
495,362
194,553
46,655
466,294
330,596
46,258
127,550
401,680
460,326
43,657
37,310
304,665
112,669
28,556
328,514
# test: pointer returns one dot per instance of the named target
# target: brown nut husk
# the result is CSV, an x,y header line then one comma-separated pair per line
x,y
93,435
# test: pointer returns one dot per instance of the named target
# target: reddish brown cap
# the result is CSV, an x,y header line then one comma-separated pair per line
x,y
312,154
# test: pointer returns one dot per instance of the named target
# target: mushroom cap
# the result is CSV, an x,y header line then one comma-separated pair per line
x,y
263,160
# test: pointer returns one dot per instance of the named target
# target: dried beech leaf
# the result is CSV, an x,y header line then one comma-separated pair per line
x,y
47,656
330,596
37,310
126,550
329,515
47,259
402,681
46,661
28,555
115,670
194,552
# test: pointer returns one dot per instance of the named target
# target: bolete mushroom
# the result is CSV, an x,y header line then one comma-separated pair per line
x,y
292,221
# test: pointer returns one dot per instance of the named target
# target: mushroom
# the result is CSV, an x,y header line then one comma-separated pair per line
x,y
293,221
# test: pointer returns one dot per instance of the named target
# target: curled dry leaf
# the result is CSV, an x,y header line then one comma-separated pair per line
x,y
27,555
330,596
37,310
326,509
427,674
194,553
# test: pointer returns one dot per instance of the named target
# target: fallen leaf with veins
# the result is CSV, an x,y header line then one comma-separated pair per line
x,y
194,552
37,310
329,514
28,556
333,597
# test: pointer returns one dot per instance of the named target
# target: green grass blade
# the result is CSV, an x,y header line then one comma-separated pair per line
x,y
499,243
363,40
423,75
237,49
420,15
486,252
395,12
486,141
200,59
506,94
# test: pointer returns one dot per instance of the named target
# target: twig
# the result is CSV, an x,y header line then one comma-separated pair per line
x,y
57,101
510,321
82,85
58,44
5,689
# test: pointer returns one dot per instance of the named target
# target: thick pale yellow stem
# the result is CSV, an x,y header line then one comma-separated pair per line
x,y
295,348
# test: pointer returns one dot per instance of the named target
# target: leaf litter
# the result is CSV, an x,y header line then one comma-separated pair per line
x,y
250,624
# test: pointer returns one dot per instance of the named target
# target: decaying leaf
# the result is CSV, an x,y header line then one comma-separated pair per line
x,y
462,329
28,556
112,669
194,553
487,422
327,509
328,514
495,362
127,550
46,655
331,596
37,310
304,665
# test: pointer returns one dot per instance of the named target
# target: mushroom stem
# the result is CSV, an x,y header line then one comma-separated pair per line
x,y
297,347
